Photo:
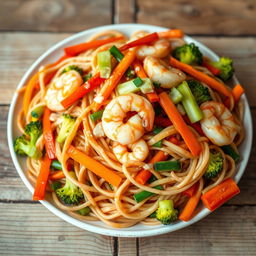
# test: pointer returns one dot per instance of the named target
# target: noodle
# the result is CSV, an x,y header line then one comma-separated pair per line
x,y
116,206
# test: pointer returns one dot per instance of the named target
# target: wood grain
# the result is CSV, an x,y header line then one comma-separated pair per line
x,y
29,229
17,52
200,17
54,15
127,246
229,231
124,11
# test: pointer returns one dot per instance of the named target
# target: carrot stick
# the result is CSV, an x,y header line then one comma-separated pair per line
x,y
42,178
179,124
172,33
48,135
78,48
140,72
190,206
214,84
218,195
190,191
212,69
94,166
57,175
237,92
143,40
112,82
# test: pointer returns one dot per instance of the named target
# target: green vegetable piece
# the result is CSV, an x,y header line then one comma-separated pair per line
x,y
67,124
157,129
70,194
166,213
175,95
145,194
84,211
73,67
152,215
167,166
228,150
116,53
55,185
87,77
215,165
96,115
189,103
158,144
26,143
37,112
188,53
56,165
157,85
225,65
104,62
200,92
130,73
138,82
181,109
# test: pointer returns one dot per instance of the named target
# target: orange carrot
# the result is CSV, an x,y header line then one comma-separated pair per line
x,y
78,48
218,195
190,206
140,72
112,82
214,84
237,92
190,191
172,33
57,175
180,125
42,179
94,166
48,135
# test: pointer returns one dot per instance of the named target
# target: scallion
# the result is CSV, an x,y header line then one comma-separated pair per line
x,y
228,149
116,53
157,129
167,166
37,112
84,211
138,82
175,95
96,115
158,144
145,194
56,165
104,62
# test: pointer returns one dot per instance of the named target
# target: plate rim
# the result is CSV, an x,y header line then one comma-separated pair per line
x,y
85,225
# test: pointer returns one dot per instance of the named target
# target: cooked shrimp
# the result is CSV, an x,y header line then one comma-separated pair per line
x,y
218,124
161,73
159,49
134,128
139,151
60,88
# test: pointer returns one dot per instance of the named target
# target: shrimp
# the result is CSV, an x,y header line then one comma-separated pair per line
x,y
139,151
218,124
60,88
159,49
134,128
159,72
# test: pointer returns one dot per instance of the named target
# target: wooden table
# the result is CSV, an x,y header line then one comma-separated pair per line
x,y
28,28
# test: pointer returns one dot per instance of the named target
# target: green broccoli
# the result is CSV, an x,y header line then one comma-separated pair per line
x,y
200,92
70,194
166,212
67,124
188,53
26,143
84,211
215,165
73,67
225,65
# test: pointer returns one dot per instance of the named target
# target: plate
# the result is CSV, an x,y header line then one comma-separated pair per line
x,y
99,227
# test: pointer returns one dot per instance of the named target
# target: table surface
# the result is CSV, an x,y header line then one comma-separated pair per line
x,y
28,28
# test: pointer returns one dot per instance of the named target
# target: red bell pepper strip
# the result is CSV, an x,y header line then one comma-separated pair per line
x,y
48,135
89,86
143,40
196,125
162,121
212,69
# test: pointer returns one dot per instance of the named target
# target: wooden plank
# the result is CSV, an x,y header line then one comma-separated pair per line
x,y
54,15
9,177
201,17
18,53
230,231
127,246
28,229
124,11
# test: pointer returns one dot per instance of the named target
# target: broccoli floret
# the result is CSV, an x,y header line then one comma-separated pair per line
x,y
166,212
215,165
70,194
200,92
73,67
26,144
225,65
188,53
68,122
84,211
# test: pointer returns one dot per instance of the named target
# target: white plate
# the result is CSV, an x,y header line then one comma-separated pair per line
x,y
96,226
